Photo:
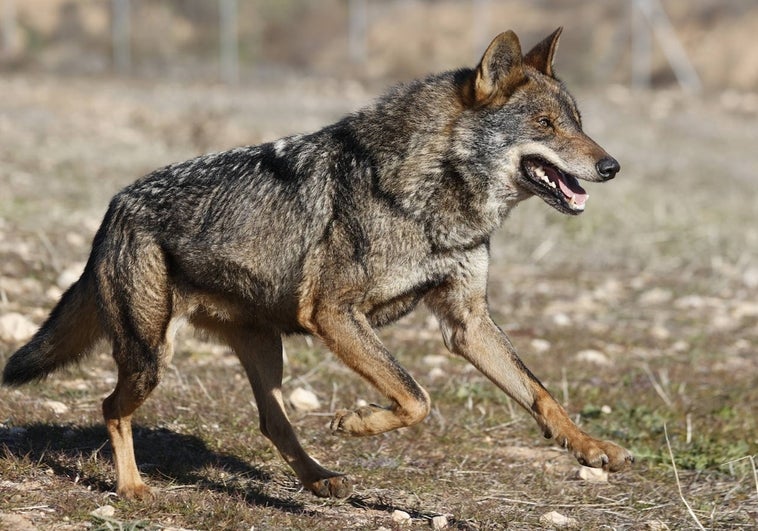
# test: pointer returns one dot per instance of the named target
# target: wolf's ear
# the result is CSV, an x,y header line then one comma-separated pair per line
x,y
500,70
541,56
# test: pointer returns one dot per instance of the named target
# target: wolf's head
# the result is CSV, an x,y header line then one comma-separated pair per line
x,y
529,128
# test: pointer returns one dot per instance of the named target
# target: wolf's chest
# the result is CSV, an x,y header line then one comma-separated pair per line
x,y
398,289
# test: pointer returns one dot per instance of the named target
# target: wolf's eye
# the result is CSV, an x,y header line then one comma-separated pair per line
x,y
545,122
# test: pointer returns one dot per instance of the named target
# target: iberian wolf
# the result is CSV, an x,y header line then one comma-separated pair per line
x,y
334,234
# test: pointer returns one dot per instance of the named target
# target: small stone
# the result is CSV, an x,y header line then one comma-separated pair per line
x,y
105,511
750,277
742,345
559,521
606,409
658,331
59,408
655,525
593,356
561,319
75,239
592,475
53,293
540,346
439,522
16,522
434,360
438,373
733,364
724,322
70,275
401,517
680,346
15,328
692,302
304,400
745,309
655,296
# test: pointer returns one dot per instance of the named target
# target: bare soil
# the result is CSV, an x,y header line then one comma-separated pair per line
x,y
641,316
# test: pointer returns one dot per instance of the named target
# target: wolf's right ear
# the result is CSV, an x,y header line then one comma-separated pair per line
x,y
500,71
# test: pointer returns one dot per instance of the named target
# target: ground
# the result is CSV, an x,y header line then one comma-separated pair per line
x,y
640,315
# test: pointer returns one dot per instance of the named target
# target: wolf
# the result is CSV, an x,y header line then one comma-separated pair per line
x,y
334,234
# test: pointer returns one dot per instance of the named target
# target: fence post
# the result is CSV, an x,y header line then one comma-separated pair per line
x,y
672,48
229,41
357,29
121,35
642,46
10,28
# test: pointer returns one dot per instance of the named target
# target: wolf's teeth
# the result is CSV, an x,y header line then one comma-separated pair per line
x,y
573,204
540,172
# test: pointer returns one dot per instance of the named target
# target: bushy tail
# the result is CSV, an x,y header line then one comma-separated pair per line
x,y
69,333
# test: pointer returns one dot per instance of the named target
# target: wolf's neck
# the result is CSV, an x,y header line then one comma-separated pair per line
x,y
414,138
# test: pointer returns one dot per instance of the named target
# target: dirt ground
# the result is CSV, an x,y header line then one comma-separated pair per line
x,y
641,316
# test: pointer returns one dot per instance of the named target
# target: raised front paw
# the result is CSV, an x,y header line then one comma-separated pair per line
x,y
366,420
355,422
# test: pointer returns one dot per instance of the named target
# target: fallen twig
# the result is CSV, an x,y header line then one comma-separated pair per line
x,y
678,484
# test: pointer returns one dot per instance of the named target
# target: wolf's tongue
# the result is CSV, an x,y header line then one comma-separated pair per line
x,y
576,192
571,188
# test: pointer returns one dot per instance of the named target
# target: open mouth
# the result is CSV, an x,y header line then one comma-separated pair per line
x,y
555,186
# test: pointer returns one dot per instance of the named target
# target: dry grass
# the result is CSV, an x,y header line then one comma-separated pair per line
x,y
659,276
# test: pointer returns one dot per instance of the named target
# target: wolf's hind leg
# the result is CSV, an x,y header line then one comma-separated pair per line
x,y
349,335
136,304
261,356
139,370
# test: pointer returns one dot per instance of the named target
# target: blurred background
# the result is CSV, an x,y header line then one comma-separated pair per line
x,y
640,313
652,42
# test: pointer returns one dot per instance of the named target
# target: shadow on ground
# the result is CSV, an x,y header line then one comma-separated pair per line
x,y
164,457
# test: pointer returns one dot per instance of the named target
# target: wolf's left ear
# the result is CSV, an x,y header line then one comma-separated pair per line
x,y
541,56
500,71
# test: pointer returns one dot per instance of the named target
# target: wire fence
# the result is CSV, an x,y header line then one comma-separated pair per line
x,y
237,40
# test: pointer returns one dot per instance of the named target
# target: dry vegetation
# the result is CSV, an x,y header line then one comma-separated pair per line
x,y
641,315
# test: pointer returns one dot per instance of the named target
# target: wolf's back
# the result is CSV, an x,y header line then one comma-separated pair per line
x,y
69,333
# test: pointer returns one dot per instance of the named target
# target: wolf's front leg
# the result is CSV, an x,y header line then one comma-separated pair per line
x,y
589,451
349,335
469,332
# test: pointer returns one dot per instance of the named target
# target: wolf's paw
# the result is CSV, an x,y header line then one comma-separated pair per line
x,y
331,487
601,454
139,491
358,422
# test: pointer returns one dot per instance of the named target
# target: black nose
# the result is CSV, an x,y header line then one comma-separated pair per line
x,y
608,167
